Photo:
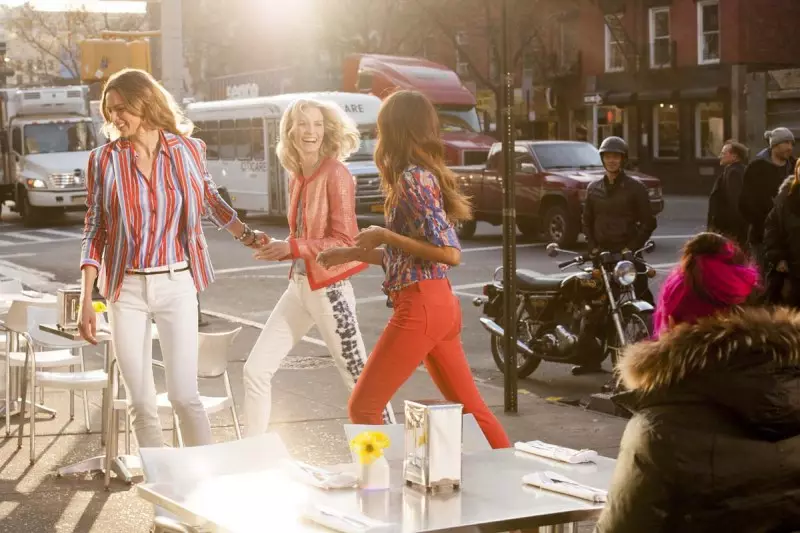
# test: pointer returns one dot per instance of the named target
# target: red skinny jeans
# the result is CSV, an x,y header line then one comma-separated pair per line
x,y
425,327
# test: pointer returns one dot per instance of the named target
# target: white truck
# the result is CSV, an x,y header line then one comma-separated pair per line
x,y
46,137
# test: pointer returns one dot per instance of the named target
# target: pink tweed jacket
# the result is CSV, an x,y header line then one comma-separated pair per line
x,y
329,220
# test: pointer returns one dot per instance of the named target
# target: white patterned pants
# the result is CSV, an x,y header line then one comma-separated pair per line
x,y
333,310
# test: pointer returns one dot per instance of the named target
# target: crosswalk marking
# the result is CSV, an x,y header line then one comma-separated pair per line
x,y
27,236
60,233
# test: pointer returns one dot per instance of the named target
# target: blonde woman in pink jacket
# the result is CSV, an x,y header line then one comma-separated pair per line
x,y
315,137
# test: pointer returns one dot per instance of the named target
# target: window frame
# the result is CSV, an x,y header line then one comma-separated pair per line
x,y
656,136
607,45
654,11
701,33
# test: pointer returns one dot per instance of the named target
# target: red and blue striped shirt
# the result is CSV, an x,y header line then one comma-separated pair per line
x,y
154,208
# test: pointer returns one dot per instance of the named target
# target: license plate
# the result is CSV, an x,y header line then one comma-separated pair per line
x,y
78,199
378,208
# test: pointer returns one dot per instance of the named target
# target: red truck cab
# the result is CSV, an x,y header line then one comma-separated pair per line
x,y
551,182
381,75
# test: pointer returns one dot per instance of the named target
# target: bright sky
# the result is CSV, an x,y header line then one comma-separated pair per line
x,y
109,6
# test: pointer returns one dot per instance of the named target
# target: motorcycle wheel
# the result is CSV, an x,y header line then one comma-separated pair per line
x,y
637,327
526,365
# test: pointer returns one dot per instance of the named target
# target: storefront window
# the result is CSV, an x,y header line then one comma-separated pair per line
x,y
709,124
666,139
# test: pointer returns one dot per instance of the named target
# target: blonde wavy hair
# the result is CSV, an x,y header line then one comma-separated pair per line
x,y
340,139
146,98
408,134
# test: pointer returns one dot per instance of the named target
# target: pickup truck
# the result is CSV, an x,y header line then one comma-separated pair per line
x,y
551,181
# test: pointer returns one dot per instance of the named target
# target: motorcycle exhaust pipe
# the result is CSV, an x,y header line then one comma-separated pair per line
x,y
495,329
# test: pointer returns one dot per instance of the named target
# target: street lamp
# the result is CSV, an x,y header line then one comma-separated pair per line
x,y
509,222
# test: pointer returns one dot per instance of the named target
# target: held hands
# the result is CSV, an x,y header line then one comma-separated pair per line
x,y
272,250
370,238
337,256
87,322
783,267
258,239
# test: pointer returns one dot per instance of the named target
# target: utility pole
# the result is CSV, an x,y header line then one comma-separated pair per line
x,y
509,222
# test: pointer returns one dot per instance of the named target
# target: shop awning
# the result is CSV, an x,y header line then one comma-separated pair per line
x,y
619,98
657,95
703,93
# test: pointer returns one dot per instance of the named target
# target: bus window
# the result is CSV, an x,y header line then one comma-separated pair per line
x,y
227,139
244,147
258,139
200,131
211,137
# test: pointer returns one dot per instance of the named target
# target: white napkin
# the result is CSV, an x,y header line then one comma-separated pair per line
x,y
562,484
558,453
339,477
343,521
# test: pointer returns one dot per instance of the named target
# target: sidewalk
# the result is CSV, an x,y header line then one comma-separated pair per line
x,y
309,410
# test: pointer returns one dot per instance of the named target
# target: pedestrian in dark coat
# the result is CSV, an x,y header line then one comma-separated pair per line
x,y
762,178
714,442
782,245
724,216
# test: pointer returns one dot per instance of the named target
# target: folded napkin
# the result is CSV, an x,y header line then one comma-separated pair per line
x,y
338,477
343,521
558,453
562,484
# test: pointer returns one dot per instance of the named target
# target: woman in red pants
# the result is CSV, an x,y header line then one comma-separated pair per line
x,y
420,246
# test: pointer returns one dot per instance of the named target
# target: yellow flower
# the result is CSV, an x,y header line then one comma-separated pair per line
x,y
99,307
369,446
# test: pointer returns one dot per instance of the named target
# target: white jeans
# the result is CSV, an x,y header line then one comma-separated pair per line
x,y
171,299
333,310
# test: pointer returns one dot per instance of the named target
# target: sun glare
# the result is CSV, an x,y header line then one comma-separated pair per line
x,y
101,6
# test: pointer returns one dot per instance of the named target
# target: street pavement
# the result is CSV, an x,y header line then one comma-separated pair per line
x,y
310,401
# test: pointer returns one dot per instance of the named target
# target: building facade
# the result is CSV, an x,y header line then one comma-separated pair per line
x,y
672,77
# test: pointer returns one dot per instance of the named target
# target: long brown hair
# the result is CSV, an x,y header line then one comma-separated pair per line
x,y
408,134
146,98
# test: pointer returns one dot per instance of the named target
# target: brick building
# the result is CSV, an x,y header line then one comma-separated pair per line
x,y
678,77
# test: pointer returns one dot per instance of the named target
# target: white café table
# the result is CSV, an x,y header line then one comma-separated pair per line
x,y
492,498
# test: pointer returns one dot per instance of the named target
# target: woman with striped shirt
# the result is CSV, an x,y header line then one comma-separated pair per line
x,y
148,190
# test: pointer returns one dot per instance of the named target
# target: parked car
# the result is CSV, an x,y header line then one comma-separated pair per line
x,y
551,182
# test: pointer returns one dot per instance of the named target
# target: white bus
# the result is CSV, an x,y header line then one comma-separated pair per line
x,y
241,136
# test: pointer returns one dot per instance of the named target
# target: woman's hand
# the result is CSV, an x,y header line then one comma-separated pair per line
x,y
370,238
273,251
337,256
783,267
258,240
87,322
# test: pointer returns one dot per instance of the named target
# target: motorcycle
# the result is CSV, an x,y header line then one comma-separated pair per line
x,y
583,318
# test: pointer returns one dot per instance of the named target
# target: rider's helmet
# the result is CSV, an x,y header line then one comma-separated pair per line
x,y
614,145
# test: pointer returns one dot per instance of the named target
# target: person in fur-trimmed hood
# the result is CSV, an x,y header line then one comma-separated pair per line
x,y
714,441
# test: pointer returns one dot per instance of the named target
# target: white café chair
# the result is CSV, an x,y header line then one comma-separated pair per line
x,y
473,438
212,364
59,353
187,465
82,381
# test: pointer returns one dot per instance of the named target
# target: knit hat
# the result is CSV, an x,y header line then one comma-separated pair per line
x,y
778,136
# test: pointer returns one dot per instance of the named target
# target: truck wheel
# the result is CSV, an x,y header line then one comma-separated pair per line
x,y
558,227
31,216
465,229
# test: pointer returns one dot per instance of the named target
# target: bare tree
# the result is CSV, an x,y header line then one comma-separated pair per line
x,y
528,33
52,37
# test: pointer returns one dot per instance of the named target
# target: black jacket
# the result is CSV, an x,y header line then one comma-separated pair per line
x,y
760,184
617,216
782,243
714,442
723,205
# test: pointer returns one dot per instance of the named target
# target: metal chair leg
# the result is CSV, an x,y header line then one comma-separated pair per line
x,y
235,415
8,395
85,399
33,414
127,432
71,398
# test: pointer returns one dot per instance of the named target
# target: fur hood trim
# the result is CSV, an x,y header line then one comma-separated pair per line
x,y
691,349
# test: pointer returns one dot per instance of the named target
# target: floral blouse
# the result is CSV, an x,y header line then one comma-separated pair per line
x,y
419,214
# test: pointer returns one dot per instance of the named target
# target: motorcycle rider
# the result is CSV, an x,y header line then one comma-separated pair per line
x,y
617,218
